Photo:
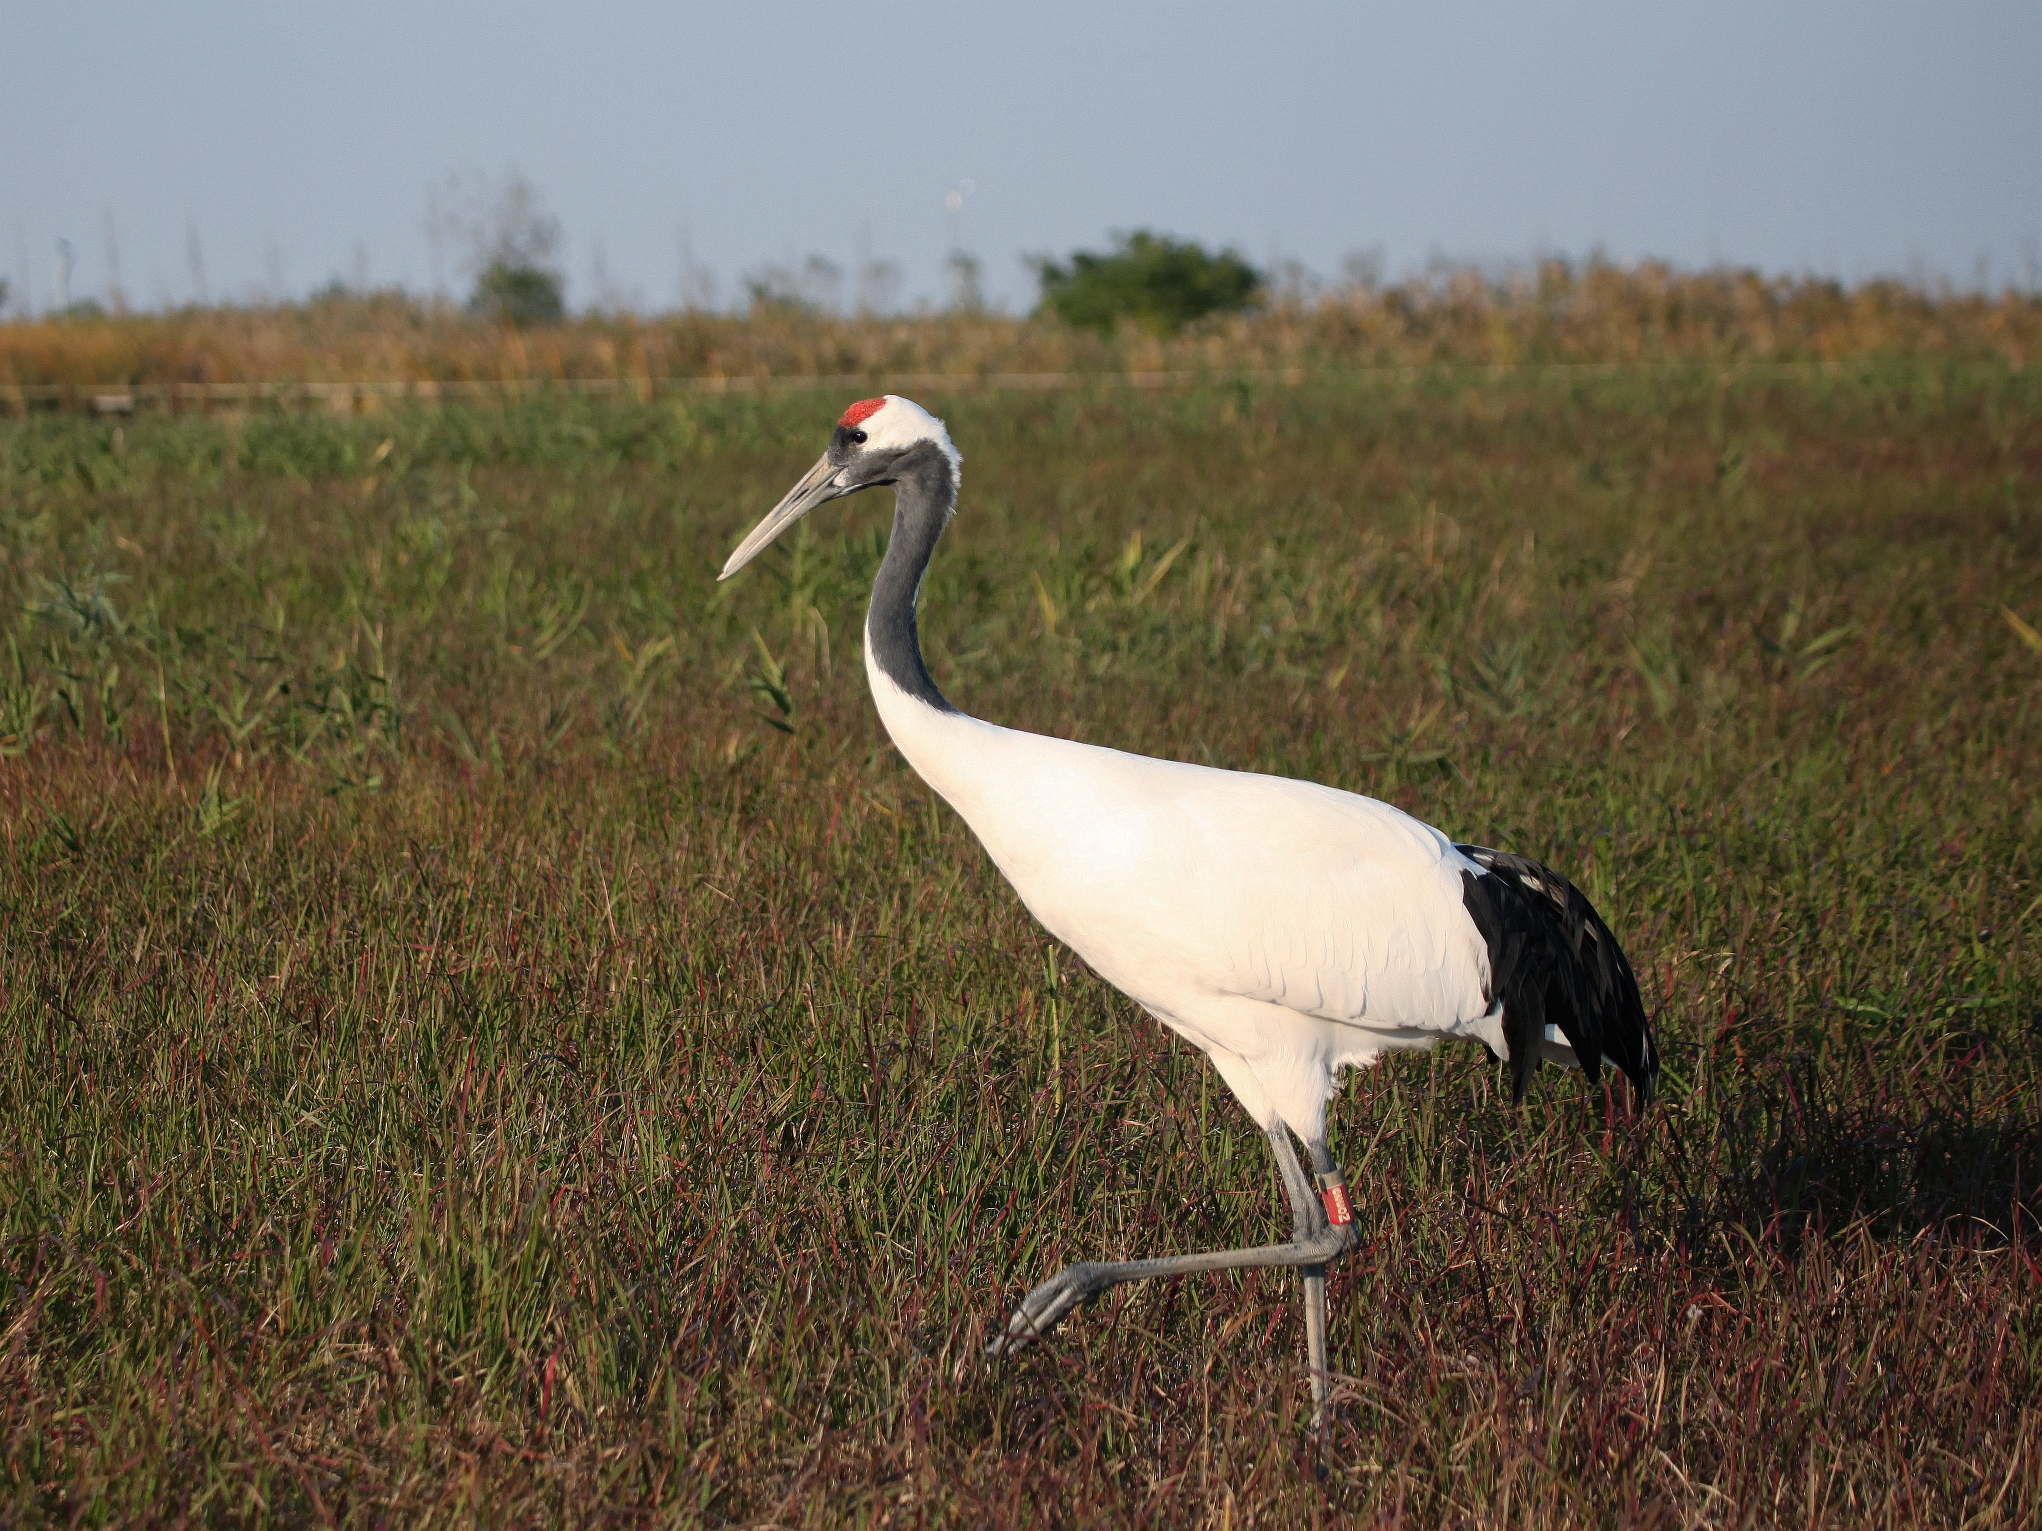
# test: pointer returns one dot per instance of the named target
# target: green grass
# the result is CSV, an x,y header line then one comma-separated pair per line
x,y
490,1032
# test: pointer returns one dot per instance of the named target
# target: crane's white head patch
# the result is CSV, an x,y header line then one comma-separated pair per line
x,y
892,423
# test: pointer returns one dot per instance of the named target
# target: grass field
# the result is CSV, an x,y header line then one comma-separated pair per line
x,y
493,1034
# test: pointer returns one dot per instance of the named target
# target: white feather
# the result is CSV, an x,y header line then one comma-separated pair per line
x,y
1289,930
900,423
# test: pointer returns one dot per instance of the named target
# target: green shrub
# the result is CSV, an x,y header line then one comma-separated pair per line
x,y
518,294
1160,283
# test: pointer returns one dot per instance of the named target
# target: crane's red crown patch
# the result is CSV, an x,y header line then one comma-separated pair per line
x,y
862,410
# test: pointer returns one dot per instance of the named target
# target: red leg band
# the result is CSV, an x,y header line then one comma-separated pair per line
x,y
1333,1192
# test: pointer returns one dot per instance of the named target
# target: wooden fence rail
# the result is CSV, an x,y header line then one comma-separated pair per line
x,y
361,397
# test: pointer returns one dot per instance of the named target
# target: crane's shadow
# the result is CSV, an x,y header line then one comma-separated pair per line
x,y
1798,1149
1788,1148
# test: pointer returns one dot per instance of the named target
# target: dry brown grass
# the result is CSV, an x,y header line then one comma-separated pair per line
x,y
1555,313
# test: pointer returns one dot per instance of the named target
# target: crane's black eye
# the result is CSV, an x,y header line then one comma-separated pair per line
x,y
859,437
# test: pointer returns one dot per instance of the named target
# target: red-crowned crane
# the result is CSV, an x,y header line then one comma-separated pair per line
x,y
1287,930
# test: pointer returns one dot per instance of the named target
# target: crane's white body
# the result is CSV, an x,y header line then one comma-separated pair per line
x,y
1287,929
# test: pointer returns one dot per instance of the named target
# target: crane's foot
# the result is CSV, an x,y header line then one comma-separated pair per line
x,y
1042,1309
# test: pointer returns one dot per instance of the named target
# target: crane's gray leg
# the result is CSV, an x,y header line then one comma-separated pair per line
x,y
1309,1220
1315,1239
1331,1207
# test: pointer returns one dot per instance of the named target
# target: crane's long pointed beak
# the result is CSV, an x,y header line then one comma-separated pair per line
x,y
818,486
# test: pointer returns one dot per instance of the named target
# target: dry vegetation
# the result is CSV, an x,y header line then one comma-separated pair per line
x,y
1553,313
490,1032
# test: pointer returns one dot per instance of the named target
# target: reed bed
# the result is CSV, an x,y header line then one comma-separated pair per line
x,y
1555,312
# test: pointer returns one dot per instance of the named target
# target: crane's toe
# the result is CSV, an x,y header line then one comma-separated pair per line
x,y
1042,1309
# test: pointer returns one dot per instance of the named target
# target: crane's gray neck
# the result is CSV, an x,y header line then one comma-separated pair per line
x,y
925,495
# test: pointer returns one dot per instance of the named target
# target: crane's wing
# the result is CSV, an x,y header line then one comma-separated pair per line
x,y
1552,959
1177,881
1190,889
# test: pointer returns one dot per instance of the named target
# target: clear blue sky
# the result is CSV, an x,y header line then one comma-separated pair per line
x,y
292,143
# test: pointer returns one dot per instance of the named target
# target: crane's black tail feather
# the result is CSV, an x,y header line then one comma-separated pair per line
x,y
1552,959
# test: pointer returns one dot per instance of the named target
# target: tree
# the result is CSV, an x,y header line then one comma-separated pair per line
x,y
507,241
518,294
1159,283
